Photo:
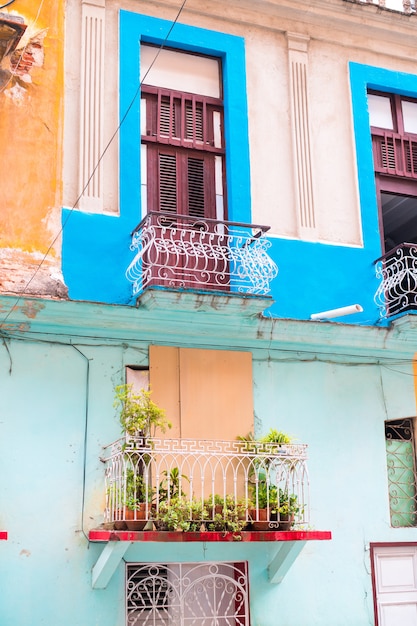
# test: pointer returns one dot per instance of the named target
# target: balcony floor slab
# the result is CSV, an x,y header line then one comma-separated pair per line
x,y
102,535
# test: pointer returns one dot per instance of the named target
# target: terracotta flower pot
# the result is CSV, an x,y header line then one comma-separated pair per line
x,y
136,519
286,522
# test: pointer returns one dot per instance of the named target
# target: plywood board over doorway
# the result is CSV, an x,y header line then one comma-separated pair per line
x,y
207,394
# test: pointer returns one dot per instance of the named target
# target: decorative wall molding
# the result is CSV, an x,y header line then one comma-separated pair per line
x,y
301,139
92,105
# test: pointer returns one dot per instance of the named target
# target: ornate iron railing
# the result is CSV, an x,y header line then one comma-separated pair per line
x,y
178,251
224,485
397,271
401,6
192,594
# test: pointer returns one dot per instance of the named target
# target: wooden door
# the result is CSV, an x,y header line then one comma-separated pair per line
x,y
395,584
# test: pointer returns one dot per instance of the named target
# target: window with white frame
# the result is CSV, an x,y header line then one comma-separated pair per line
x,y
182,133
192,594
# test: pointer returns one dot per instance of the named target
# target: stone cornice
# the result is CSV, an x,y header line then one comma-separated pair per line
x,y
333,20
198,320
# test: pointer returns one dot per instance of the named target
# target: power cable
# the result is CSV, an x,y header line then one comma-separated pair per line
x,y
113,136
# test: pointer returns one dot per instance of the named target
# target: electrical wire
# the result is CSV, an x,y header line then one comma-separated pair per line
x,y
3,6
32,25
311,356
107,146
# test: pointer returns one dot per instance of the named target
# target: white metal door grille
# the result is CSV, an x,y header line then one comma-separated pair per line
x,y
187,594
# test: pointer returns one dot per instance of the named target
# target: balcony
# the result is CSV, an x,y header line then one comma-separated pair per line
x,y
180,252
400,6
212,491
397,271
205,486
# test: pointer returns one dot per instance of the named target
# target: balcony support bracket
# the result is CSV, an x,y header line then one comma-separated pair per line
x,y
285,556
107,562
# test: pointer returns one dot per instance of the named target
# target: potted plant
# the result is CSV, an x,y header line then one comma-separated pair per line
x,y
198,514
170,486
265,500
139,416
137,501
174,515
229,514
289,507
228,522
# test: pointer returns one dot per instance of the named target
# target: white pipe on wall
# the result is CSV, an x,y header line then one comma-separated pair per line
x,y
344,310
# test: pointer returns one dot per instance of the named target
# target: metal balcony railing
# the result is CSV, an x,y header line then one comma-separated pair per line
x,y
397,271
181,252
401,6
216,485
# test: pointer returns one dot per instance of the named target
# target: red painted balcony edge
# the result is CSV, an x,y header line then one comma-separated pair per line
x,y
3,535
177,536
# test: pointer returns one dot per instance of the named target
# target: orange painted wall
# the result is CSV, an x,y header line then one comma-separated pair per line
x,y
31,136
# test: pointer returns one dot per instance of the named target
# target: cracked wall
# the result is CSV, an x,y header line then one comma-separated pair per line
x,y
31,114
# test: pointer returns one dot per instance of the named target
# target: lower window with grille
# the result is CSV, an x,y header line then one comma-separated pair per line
x,y
161,594
401,466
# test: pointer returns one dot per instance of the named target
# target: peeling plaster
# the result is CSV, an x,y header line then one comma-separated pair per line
x,y
21,49
31,309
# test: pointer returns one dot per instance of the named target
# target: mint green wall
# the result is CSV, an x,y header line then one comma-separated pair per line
x,y
329,401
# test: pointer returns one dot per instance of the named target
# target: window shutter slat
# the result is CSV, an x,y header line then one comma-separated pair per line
x,y
194,127
168,183
196,187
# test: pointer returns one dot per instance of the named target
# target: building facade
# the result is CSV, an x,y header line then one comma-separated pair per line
x,y
216,202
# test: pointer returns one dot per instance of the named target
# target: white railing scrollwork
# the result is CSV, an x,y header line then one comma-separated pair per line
x,y
397,271
230,483
181,252
401,6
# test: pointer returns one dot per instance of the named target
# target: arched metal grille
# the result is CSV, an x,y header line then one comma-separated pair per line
x,y
187,594
401,465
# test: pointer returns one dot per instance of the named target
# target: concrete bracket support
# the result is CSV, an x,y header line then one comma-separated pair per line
x,y
108,562
285,556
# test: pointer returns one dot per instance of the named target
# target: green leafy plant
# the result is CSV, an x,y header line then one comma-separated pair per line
x,y
198,514
288,504
174,515
228,522
136,492
139,416
171,485
276,436
267,495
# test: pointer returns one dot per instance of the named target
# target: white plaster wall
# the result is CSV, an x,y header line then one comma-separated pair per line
x,y
333,152
270,131
339,34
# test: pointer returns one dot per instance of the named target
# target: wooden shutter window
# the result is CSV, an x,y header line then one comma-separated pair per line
x,y
410,149
167,125
168,183
183,120
194,121
388,154
181,151
195,183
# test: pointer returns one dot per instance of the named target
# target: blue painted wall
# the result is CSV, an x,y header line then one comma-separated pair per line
x,y
312,277
95,252
57,413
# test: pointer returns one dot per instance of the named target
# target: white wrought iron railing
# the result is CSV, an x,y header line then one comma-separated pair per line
x,y
178,251
402,6
223,485
397,271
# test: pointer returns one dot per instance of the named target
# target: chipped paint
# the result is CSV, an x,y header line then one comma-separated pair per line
x,y
31,101
31,309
